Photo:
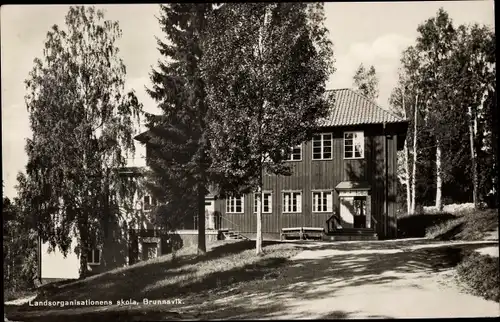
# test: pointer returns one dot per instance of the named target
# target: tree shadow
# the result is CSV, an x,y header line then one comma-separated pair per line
x,y
323,278
111,285
273,287
417,225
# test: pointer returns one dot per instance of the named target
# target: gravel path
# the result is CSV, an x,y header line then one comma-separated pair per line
x,y
412,278
407,279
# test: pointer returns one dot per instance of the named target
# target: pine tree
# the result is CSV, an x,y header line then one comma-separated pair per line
x,y
177,138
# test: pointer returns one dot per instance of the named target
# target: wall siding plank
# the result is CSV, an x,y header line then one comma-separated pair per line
x,y
308,175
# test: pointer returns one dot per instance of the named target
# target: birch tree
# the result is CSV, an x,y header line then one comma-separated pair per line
x,y
405,99
266,70
435,43
366,81
82,122
470,70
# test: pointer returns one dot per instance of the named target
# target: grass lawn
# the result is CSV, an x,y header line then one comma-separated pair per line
x,y
466,225
184,279
481,273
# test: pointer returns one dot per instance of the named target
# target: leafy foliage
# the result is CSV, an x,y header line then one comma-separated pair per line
x,y
81,119
19,248
266,92
366,82
448,75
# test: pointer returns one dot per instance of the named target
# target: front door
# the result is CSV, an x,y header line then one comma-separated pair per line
x,y
360,212
354,210
209,214
149,250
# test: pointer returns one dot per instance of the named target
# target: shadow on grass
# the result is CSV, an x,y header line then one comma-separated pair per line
x,y
274,288
172,276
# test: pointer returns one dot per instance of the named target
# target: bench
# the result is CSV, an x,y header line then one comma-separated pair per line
x,y
301,232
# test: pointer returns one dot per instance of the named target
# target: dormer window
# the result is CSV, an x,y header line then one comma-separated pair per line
x,y
354,145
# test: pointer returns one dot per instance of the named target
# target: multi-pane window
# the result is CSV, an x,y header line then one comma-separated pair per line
x,y
322,201
322,146
354,143
292,201
267,202
234,205
148,203
360,206
94,256
295,153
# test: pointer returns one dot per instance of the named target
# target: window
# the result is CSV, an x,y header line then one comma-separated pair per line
x,y
148,203
267,203
354,143
360,206
292,202
295,153
94,256
322,146
234,205
322,201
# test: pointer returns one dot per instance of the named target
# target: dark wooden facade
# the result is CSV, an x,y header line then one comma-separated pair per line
x,y
378,168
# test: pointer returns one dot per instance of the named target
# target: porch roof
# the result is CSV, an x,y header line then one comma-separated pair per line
x,y
353,185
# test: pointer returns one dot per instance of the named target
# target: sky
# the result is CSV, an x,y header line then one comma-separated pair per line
x,y
372,33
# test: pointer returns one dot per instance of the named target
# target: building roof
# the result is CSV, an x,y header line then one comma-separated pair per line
x,y
353,185
349,107
352,108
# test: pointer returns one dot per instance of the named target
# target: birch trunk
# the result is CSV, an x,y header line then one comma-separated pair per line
x,y
407,179
472,132
414,170
439,179
407,166
202,245
258,237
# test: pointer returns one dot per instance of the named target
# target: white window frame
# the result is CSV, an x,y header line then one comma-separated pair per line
x,y
291,154
322,146
269,196
318,208
231,202
152,203
288,208
91,261
361,137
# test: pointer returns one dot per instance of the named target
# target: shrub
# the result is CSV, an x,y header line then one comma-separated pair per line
x,y
481,274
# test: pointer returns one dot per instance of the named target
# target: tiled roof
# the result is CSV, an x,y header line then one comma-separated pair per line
x,y
352,108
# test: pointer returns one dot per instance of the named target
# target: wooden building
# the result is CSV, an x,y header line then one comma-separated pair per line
x,y
343,181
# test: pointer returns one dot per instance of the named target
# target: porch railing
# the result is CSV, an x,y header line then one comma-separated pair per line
x,y
219,223
332,221
335,219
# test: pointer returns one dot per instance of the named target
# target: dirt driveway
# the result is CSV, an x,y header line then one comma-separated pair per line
x,y
394,279
377,279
